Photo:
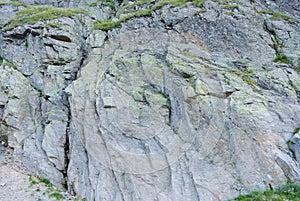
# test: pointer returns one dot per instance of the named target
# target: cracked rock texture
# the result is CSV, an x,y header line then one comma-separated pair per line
x,y
185,103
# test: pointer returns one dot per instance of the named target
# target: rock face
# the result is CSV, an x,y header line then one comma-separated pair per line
x,y
184,103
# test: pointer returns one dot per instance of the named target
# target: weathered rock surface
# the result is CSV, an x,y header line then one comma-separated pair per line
x,y
183,104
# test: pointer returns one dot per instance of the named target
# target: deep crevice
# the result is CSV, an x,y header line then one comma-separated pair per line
x,y
61,38
67,146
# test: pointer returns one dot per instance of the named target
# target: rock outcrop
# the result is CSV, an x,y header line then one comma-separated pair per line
x,y
152,100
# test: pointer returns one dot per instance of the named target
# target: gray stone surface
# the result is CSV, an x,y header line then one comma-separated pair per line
x,y
184,104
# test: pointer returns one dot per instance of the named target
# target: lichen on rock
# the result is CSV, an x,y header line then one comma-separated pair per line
x,y
152,100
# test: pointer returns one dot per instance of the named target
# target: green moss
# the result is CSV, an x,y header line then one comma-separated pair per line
x,y
281,58
289,192
110,24
33,14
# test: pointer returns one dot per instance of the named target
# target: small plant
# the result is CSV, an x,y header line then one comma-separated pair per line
x,y
246,77
32,181
281,58
110,3
277,16
297,130
7,63
230,7
199,3
57,195
79,199
45,181
39,91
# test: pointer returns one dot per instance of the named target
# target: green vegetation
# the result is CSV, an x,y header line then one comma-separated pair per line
x,y
277,16
45,181
53,24
198,3
7,63
129,8
39,91
110,3
288,192
297,130
246,76
32,181
50,191
33,14
14,3
57,195
230,7
281,58
80,199
130,13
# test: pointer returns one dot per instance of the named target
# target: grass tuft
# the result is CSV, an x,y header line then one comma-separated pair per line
x,y
7,63
277,16
33,14
45,181
281,58
110,3
297,130
130,12
289,191
230,7
14,3
57,195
